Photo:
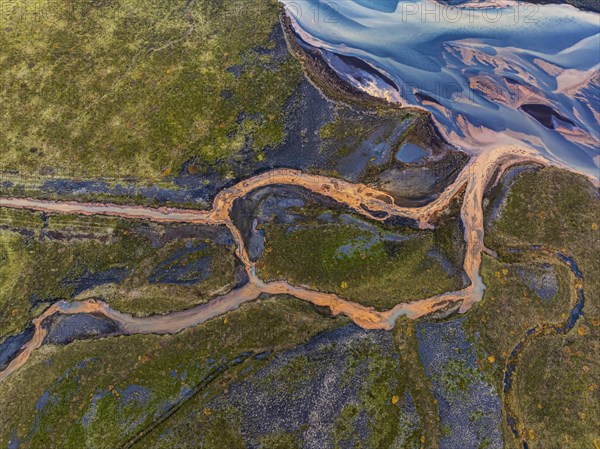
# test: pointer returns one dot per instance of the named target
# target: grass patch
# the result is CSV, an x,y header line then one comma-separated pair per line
x,y
131,88
556,209
48,258
507,295
554,393
360,265
153,289
414,380
38,270
100,393
352,128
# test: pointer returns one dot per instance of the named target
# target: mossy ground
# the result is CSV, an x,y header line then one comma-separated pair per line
x,y
557,390
136,88
44,259
555,385
352,127
378,407
358,265
36,271
140,297
22,185
558,210
77,396
507,296
414,380
142,89
101,393
104,393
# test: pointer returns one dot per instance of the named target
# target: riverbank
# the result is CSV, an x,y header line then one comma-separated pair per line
x,y
362,199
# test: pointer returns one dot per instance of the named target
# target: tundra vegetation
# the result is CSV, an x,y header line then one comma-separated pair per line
x,y
153,89
132,88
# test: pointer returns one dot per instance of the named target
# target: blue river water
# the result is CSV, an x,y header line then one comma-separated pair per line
x,y
501,74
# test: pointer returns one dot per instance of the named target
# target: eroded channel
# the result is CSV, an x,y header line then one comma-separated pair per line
x,y
363,199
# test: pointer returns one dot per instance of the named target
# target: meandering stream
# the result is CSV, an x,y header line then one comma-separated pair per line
x,y
539,330
363,199
495,155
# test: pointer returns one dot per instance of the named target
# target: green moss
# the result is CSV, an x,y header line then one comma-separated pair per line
x,y
553,397
556,390
136,88
39,269
353,127
456,377
139,296
345,427
14,305
73,375
44,258
382,379
220,431
281,440
507,296
357,264
380,401
24,187
376,396
413,379
556,209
